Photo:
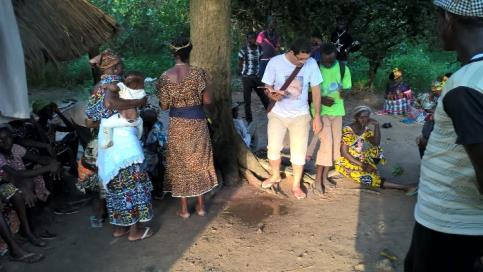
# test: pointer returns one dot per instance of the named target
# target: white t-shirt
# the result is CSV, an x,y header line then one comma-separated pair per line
x,y
278,70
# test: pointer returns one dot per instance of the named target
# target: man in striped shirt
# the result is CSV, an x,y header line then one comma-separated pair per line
x,y
448,234
249,68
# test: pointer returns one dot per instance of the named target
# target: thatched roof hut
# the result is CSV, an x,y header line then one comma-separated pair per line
x,y
60,30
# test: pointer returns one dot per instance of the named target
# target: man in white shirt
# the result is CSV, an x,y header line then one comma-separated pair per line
x,y
291,109
448,234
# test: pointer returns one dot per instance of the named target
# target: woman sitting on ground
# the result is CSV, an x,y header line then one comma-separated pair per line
x,y
361,151
398,94
17,179
17,253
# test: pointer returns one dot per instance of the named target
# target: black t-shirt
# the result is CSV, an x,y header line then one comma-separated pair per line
x,y
342,41
464,106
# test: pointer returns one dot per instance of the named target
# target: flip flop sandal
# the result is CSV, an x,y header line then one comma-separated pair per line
x,y
147,233
28,258
269,183
47,235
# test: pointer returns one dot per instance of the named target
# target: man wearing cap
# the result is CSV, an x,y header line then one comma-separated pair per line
x,y
448,234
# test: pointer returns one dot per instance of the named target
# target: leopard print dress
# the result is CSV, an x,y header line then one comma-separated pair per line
x,y
189,159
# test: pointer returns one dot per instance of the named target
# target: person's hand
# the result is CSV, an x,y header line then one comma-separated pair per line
x,y
373,122
368,168
273,94
327,101
29,198
53,166
317,124
143,101
27,189
342,94
55,170
421,141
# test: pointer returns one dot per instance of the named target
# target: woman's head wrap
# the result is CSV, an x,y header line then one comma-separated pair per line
x,y
359,109
105,60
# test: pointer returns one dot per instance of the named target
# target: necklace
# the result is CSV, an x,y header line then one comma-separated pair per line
x,y
179,64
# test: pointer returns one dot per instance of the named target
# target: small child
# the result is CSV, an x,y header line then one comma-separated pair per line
x,y
154,141
240,126
132,88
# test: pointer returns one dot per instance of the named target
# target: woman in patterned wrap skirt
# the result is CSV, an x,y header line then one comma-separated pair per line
x,y
183,89
128,192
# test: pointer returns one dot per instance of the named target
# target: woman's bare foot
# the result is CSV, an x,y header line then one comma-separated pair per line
x,y
200,206
36,241
184,215
183,211
120,232
319,187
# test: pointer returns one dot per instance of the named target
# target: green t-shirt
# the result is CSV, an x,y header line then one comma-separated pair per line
x,y
331,86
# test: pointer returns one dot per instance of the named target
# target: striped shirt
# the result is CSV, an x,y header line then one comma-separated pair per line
x,y
448,197
251,60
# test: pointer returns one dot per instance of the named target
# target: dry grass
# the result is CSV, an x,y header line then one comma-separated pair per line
x,y
59,30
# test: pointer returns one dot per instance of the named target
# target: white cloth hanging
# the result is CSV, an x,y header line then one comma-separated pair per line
x,y
13,81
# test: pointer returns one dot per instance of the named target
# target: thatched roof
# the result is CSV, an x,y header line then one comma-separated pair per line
x,y
60,30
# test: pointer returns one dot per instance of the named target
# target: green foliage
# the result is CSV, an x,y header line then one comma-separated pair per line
x,y
393,34
76,73
420,65
146,24
378,24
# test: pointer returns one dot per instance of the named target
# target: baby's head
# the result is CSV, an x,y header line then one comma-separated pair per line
x,y
134,80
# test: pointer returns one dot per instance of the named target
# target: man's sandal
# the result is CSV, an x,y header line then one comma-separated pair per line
x,y
268,183
299,194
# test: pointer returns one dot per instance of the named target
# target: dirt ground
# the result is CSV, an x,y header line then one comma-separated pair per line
x,y
249,230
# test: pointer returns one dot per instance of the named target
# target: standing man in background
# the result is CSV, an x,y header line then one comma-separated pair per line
x,y
249,68
343,40
269,40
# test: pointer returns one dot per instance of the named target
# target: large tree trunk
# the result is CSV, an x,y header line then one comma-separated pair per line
x,y
210,35
374,65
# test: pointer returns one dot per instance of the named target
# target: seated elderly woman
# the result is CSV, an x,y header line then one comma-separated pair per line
x,y
361,152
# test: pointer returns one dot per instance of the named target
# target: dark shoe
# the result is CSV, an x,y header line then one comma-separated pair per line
x,y
387,125
47,235
66,210
28,258
78,199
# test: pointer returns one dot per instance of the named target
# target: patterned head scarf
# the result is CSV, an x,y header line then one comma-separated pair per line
x,y
470,8
105,60
359,109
